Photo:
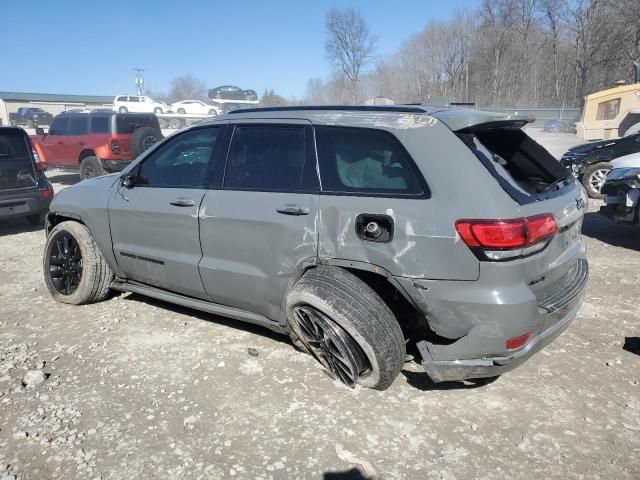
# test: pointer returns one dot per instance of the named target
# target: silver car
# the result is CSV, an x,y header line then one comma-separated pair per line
x,y
367,234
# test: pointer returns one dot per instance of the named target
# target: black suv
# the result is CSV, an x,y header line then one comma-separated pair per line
x,y
24,190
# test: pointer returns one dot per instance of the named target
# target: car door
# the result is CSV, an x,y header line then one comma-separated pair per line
x,y
53,142
154,224
74,141
260,228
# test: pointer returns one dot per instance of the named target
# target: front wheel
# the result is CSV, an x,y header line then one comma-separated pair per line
x,y
123,110
593,178
75,271
157,110
213,113
347,327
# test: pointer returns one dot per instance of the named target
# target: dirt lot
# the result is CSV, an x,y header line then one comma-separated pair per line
x,y
141,389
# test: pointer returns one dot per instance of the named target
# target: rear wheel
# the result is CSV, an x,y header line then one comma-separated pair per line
x,y
181,111
74,269
123,110
91,167
157,110
347,327
593,178
213,113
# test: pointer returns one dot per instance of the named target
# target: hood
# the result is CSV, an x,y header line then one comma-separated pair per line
x,y
628,161
591,146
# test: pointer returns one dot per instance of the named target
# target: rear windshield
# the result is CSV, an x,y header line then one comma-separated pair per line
x,y
16,169
128,123
522,167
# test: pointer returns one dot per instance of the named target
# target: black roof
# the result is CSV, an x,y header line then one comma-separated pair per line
x,y
349,108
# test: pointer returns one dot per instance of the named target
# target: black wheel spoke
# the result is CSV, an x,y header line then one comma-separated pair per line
x,y
331,345
65,263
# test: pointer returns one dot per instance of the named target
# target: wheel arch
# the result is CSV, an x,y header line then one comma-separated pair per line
x,y
87,152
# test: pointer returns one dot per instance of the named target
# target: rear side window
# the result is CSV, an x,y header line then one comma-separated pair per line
x,y
365,161
100,124
78,125
269,158
126,123
521,166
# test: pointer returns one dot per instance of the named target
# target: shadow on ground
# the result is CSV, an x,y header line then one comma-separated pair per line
x,y
353,474
421,381
209,317
17,226
616,234
63,178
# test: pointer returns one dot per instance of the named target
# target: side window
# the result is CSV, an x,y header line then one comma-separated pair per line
x,y
59,126
269,158
77,125
181,162
100,124
608,110
364,160
133,99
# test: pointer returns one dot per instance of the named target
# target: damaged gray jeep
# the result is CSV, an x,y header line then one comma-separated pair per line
x,y
367,234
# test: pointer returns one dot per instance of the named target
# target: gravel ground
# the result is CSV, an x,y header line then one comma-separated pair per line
x,y
134,388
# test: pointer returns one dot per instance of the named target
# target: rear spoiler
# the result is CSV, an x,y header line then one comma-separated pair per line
x,y
467,121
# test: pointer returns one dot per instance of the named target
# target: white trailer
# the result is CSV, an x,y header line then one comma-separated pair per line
x,y
179,120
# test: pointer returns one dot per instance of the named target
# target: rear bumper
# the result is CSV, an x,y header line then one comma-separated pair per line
x,y
21,205
456,370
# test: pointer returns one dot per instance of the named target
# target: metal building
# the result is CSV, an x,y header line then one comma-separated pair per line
x,y
49,102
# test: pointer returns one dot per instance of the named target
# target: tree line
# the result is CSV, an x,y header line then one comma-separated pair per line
x,y
504,53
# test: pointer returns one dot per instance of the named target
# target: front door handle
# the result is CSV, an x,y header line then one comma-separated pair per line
x,y
182,202
293,210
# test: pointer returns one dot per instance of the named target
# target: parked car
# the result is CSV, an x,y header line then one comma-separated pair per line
x,y
136,104
347,228
96,143
559,126
196,107
622,190
590,162
231,92
31,117
24,189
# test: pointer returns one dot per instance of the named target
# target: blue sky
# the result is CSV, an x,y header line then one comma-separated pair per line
x,y
87,47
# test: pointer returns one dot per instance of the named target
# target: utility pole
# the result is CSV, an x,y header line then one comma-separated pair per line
x,y
139,80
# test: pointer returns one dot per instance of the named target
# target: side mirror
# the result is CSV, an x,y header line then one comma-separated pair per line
x,y
40,131
127,181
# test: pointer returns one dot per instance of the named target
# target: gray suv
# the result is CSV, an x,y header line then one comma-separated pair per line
x,y
367,234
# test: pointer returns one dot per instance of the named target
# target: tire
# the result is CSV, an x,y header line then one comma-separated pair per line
x,y
213,113
349,304
157,110
123,110
94,276
593,179
632,130
181,111
142,138
163,123
91,167
175,123
36,220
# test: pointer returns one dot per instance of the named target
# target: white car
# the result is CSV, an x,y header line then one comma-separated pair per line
x,y
136,104
194,107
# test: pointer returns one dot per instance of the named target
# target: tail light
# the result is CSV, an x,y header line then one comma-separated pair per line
x,y
47,192
519,341
499,240
38,161
115,146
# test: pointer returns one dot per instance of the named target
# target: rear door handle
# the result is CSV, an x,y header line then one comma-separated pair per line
x,y
182,202
293,210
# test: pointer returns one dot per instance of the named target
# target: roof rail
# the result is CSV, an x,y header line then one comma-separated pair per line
x,y
349,108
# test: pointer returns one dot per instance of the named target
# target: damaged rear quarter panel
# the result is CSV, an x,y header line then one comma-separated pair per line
x,y
425,243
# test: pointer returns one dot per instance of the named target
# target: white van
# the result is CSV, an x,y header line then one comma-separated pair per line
x,y
134,103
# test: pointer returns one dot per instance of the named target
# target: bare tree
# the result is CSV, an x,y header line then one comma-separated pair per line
x,y
187,87
350,45
271,99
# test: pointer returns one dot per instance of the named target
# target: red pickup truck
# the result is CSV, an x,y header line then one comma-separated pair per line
x,y
96,142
